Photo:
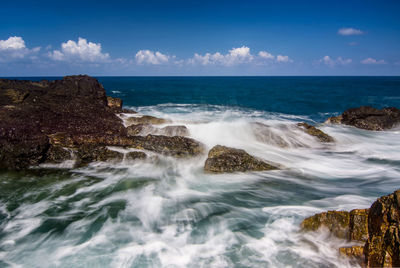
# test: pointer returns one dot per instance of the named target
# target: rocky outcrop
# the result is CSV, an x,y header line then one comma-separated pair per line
x,y
49,121
378,227
225,159
369,118
313,131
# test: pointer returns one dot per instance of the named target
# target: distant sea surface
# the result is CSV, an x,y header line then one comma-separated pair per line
x,y
167,212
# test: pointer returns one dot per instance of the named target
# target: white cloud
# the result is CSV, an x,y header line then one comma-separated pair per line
x,y
80,51
266,55
372,61
14,48
150,57
350,31
332,62
234,57
282,58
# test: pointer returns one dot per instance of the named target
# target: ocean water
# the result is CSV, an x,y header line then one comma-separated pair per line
x,y
166,212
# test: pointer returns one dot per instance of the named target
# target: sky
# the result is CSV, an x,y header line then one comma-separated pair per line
x,y
196,38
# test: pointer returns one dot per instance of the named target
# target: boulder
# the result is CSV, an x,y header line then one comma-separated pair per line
x,y
90,153
369,118
225,159
313,131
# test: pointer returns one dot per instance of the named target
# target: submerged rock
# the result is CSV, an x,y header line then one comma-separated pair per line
x,y
313,131
378,227
369,118
225,159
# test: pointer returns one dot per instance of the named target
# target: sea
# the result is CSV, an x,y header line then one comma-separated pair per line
x,y
167,212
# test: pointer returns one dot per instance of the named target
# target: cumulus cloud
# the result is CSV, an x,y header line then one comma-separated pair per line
x,y
349,31
234,57
80,51
14,48
372,61
332,62
266,55
150,57
282,58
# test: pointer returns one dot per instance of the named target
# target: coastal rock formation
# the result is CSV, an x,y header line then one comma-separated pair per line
x,y
378,227
369,118
313,131
225,159
53,121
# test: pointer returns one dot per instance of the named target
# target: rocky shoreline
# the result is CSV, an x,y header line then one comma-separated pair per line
x,y
73,120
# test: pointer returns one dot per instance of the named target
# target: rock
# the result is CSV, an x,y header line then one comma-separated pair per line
x,y
355,253
382,248
90,153
226,159
115,104
176,146
369,118
266,134
58,154
145,119
378,227
146,129
76,105
313,131
128,111
136,155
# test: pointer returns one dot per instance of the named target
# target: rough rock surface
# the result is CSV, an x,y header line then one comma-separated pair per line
x,y
145,129
115,104
378,227
369,118
313,131
90,153
225,159
30,111
145,119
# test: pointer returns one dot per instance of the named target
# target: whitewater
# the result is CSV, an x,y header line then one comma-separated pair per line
x,y
167,212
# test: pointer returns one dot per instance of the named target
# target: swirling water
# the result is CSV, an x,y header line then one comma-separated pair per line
x,y
166,212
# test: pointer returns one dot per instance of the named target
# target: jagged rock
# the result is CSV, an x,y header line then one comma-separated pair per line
x,y
355,253
115,104
76,105
226,159
58,154
145,119
369,118
145,129
176,146
313,131
128,111
382,248
89,153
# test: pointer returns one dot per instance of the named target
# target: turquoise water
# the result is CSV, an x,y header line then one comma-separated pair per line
x,y
166,212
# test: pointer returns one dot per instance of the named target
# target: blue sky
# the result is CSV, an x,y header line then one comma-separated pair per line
x,y
199,38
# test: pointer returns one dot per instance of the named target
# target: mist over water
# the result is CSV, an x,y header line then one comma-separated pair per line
x,y
166,212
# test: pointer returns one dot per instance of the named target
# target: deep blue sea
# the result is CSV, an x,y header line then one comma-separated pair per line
x,y
167,212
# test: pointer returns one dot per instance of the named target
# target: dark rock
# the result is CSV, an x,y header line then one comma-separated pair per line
x,y
91,153
136,155
382,248
58,154
128,111
226,159
313,131
115,104
176,146
174,131
146,129
369,118
32,111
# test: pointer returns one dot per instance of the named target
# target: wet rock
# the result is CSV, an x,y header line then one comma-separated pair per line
x,y
176,146
382,248
225,159
115,104
355,253
128,111
359,225
145,119
266,134
337,222
136,155
145,129
369,118
76,105
313,131
58,154
90,153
